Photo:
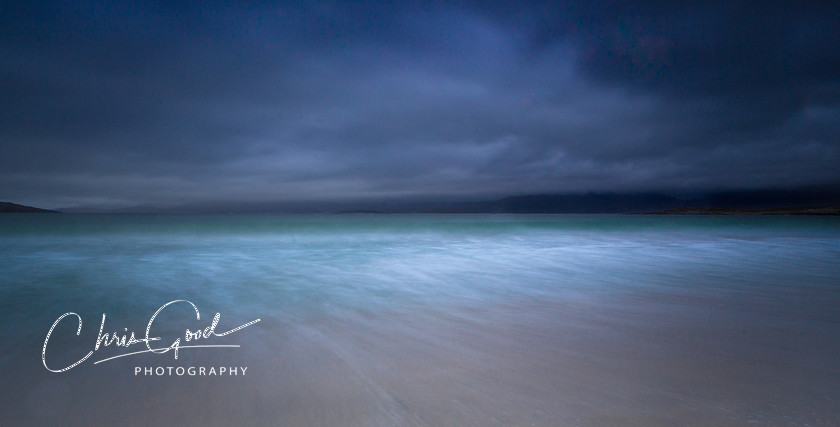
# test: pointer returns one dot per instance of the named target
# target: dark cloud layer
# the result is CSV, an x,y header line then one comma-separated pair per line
x,y
116,104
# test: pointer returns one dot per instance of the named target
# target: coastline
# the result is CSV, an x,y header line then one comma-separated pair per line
x,y
793,210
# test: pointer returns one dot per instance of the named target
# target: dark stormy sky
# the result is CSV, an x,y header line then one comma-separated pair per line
x,y
111,103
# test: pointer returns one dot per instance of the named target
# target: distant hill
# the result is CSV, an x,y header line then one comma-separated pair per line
x,y
563,203
792,210
587,203
801,201
771,198
6,207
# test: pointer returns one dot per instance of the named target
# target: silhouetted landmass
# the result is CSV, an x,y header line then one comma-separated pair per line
x,y
792,210
362,211
800,201
803,201
6,207
764,199
587,203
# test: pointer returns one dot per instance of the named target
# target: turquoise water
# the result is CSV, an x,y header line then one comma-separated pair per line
x,y
557,293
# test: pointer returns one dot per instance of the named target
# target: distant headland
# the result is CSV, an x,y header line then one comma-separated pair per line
x,y
792,210
6,207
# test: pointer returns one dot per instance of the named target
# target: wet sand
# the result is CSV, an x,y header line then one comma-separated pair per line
x,y
624,360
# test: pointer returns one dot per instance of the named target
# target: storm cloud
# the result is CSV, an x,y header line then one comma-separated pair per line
x,y
113,104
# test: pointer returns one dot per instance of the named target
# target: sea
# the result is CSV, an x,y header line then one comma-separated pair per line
x,y
420,320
